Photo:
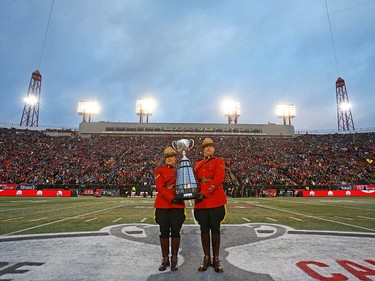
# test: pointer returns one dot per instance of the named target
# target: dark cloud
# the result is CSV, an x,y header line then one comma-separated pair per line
x,y
188,56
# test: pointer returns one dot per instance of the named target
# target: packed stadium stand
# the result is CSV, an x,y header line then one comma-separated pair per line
x,y
69,159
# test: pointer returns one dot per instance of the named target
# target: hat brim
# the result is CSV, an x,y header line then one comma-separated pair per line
x,y
170,155
214,144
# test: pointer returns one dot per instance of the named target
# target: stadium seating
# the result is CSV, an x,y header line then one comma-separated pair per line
x,y
34,157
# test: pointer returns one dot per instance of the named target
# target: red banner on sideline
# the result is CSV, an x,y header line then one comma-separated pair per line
x,y
8,186
364,186
36,193
337,193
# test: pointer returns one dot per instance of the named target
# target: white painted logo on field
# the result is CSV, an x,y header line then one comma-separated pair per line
x,y
252,251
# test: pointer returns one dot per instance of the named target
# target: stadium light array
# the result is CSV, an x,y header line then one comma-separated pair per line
x,y
286,111
144,108
232,110
345,106
31,100
88,108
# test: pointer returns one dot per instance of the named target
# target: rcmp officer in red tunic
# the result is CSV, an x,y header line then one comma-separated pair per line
x,y
169,212
210,206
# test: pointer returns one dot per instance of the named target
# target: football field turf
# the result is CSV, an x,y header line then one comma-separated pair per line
x,y
29,215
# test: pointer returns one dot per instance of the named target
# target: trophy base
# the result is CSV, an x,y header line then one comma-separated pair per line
x,y
187,196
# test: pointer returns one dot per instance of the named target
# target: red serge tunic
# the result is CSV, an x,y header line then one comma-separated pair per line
x,y
210,176
165,181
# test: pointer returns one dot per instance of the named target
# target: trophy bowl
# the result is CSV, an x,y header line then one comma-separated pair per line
x,y
183,145
186,184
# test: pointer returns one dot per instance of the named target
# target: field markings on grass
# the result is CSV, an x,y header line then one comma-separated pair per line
x,y
321,204
21,202
143,220
313,217
65,207
62,220
271,219
39,219
297,219
13,219
51,207
349,219
246,219
116,220
92,219
363,217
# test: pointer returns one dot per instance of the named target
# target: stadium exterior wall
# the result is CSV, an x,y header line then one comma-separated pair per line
x,y
124,128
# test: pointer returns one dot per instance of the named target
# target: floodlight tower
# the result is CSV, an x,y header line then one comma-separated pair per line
x,y
144,108
232,111
344,113
87,108
286,111
30,113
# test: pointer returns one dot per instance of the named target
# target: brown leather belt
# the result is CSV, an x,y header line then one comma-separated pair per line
x,y
204,180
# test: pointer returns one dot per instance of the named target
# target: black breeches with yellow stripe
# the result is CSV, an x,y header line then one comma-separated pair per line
x,y
170,221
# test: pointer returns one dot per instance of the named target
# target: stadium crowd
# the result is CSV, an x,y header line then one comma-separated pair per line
x,y
33,157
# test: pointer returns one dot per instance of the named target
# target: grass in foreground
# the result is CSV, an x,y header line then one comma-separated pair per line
x,y
56,215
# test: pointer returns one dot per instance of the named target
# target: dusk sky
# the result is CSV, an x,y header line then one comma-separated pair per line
x,y
189,56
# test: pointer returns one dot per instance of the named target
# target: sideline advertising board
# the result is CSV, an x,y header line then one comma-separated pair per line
x,y
36,193
337,193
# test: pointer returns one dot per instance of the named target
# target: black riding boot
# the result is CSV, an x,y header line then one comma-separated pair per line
x,y
216,249
175,247
164,243
205,238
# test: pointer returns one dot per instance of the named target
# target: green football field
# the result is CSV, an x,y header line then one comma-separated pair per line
x,y
29,215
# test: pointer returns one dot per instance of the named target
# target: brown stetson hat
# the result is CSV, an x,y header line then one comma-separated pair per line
x,y
207,142
169,151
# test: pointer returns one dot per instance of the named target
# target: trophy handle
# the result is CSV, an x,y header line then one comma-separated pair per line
x,y
191,144
173,145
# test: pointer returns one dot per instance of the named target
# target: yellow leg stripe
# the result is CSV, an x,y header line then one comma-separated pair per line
x,y
225,216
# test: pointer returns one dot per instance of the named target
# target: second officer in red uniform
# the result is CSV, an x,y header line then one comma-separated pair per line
x,y
210,206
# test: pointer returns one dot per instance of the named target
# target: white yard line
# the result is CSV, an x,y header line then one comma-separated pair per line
x,y
363,217
90,219
142,220
297,219
62,220
39,219
116,220
246,219
271,219
349,219
313,217
12,219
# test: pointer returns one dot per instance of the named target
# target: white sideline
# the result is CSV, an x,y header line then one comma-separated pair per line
x,y
309,216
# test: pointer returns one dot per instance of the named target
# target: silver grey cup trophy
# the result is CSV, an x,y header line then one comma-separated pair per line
x,y
186,184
